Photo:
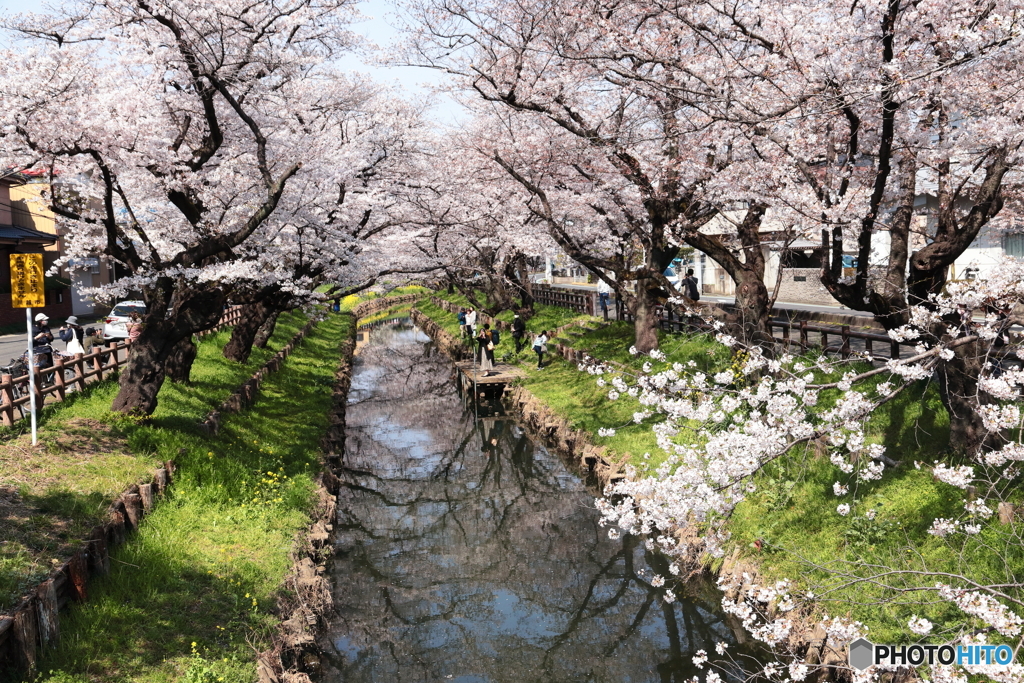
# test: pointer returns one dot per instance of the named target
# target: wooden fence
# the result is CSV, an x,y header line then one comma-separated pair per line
x,y
837,339
581,301
87,368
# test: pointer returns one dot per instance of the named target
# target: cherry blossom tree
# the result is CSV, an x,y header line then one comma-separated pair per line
x,y
601,137
223,147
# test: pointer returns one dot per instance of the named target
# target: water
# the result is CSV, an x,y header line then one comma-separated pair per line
x,y
467,552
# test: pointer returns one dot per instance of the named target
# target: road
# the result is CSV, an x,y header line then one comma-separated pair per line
x,y
13,345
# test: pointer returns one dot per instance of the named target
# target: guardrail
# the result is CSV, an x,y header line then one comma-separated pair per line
x,y
89,367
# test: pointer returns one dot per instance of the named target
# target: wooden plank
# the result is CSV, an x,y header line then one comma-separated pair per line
x,y
46,611
78,576
26,635
146,493
133,510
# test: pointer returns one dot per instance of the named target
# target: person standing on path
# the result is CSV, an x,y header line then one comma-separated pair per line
x,y
73,334
462,322
42,339
604,292
518,332
540,346
689,284
486,343
471,323
134,326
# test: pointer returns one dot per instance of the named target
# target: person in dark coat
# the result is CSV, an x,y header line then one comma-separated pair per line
x,y
518,332
72,330
42,338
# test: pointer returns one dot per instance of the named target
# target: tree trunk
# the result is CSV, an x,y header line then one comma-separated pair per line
x,y
243,335
144,373
751,314
645,326
178,367
958,387
266,330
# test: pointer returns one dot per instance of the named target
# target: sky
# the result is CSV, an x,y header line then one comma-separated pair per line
x,y
414,82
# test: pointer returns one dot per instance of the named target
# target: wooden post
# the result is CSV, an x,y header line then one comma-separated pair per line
x,y
58,377
824,341
868,342
26,635
160,479
79,372
97,364
8,399
99,555
46,608
133,510
78,575
845,349
803,334
894,349
146,494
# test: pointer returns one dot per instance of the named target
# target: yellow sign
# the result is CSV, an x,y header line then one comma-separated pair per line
x,y
27,285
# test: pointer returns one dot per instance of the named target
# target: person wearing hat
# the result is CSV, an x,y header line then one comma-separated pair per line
x,y
41,340
73,334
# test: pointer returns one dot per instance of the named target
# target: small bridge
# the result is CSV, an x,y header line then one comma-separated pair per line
x,y
470,377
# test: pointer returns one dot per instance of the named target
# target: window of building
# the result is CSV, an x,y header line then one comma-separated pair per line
x,y
1013,245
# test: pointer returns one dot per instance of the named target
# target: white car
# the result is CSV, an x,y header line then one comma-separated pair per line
x,y
115,324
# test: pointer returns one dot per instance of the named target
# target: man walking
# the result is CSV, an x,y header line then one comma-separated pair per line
x,y
471,323
518,332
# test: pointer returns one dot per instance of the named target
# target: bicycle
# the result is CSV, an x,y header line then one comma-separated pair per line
x,y
18,367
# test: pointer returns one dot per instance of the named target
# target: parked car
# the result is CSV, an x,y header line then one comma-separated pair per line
x,y
115,324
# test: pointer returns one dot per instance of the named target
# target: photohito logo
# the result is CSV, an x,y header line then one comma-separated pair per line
x,y
863,653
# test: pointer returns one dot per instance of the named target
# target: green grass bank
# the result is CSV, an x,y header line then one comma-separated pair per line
x,y
191,596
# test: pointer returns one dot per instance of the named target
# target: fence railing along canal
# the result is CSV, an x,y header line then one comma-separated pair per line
x,y
72,373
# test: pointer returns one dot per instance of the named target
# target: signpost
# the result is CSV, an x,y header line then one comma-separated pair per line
x,y
27,290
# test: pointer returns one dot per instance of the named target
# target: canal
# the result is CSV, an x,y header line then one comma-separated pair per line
x,y
465,551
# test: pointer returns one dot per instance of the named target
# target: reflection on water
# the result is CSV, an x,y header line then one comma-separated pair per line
x,y
466,552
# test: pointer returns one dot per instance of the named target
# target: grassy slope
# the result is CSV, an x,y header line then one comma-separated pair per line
x,y
83,462
794,507
188,594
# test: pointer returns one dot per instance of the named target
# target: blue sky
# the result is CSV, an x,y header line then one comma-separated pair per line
x,y
377,29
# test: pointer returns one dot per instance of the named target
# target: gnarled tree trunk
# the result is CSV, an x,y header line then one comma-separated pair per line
x,y
645,325
243,335
178,367
958,386
174,312
750,317
266,330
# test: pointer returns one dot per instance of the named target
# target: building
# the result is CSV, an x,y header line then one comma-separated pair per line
x,y
30,210
21,239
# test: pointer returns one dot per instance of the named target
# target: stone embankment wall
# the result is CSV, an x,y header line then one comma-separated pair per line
x,y
372,306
